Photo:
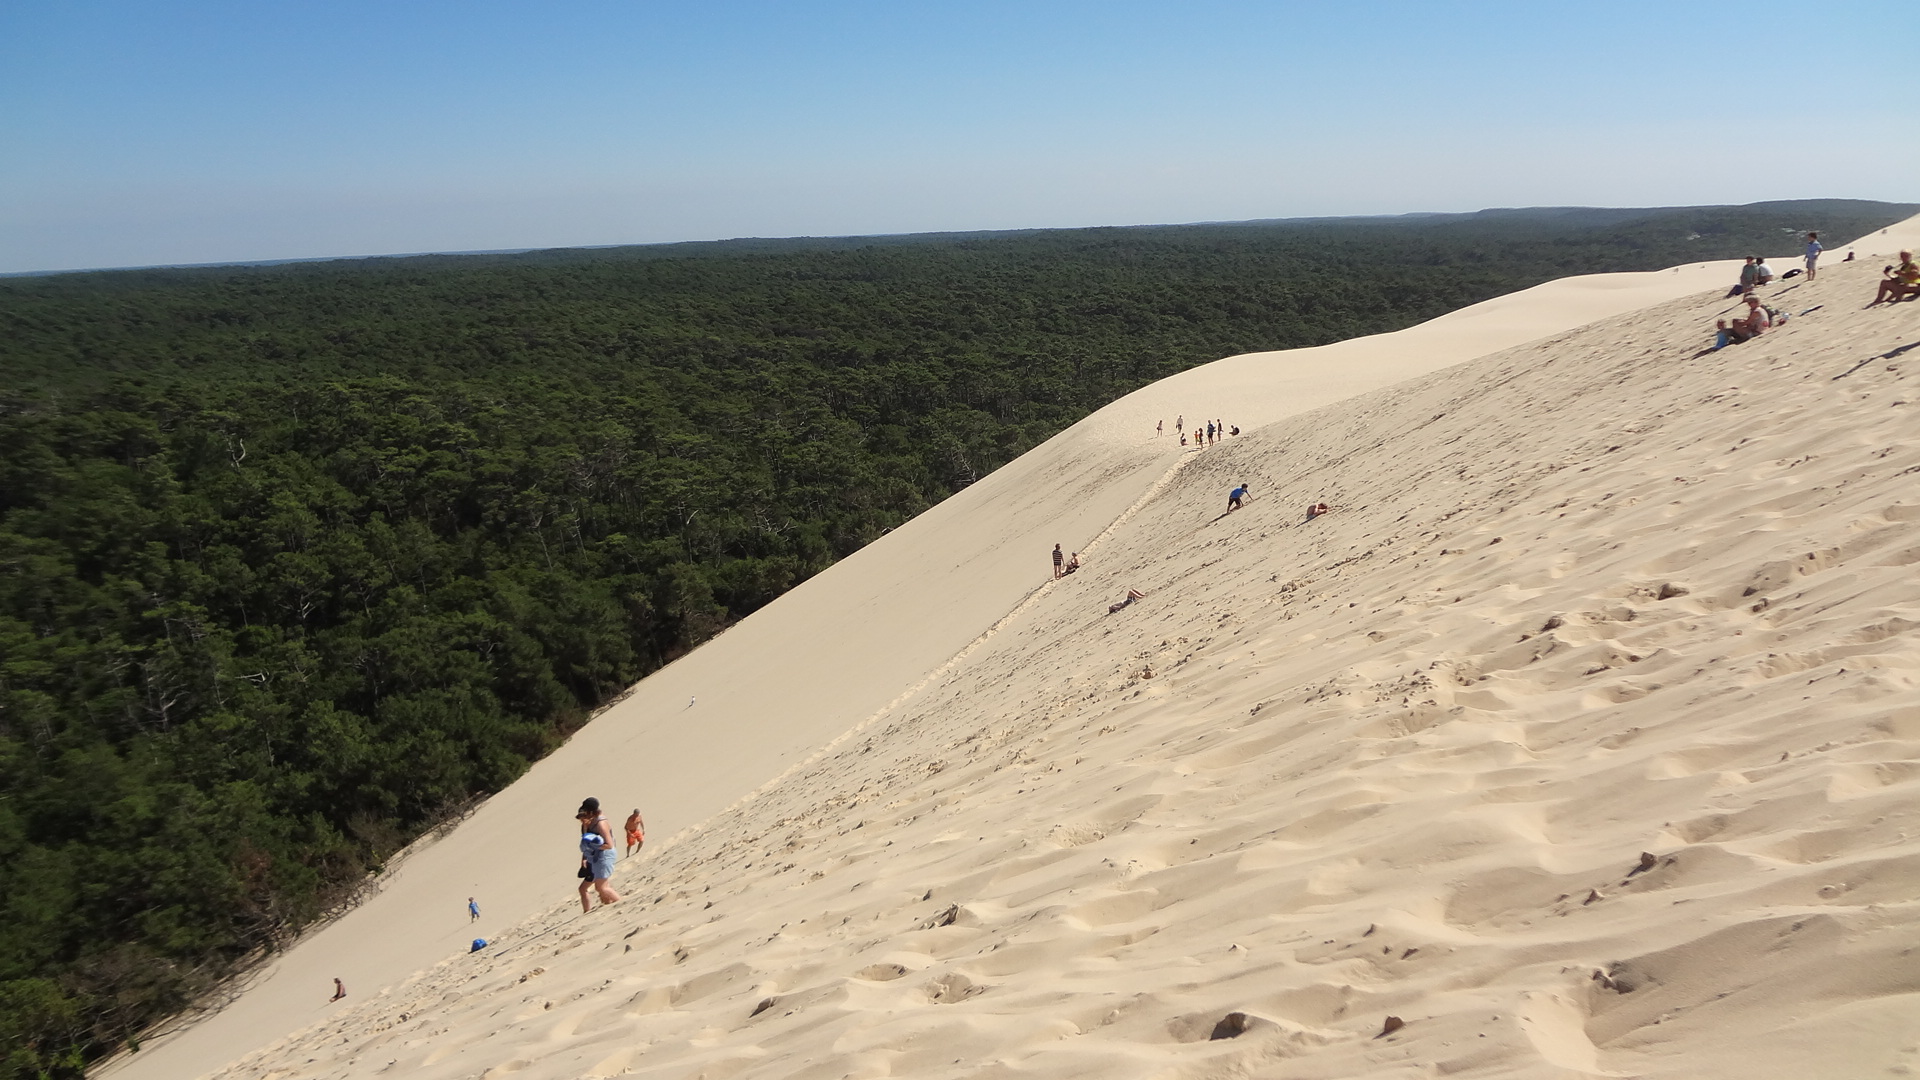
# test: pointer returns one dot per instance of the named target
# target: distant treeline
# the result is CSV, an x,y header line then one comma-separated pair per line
x,y
295,560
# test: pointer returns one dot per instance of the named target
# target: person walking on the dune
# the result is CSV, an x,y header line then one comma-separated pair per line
x,y
596,855
1159,428
636,831
473,910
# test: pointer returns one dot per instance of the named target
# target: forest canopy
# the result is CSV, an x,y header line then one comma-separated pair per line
x,y
298,560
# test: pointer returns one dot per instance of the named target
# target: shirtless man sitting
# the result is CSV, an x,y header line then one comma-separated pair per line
x,y
1756,322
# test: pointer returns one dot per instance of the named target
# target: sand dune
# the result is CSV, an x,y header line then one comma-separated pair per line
x,y
1588,597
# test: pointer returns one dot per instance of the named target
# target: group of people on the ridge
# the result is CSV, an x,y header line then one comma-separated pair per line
x,y
1899,281
1212,432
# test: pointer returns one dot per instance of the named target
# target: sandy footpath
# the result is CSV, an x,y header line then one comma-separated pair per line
x,y
1080,844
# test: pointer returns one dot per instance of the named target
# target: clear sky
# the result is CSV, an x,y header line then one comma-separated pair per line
x,y
139,132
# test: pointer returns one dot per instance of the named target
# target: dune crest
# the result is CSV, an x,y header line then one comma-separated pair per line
x,y
1586,598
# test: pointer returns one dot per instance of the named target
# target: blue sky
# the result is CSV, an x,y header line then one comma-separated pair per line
x,y
136,133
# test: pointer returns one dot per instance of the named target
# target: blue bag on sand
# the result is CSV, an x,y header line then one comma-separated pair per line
x,y
478,944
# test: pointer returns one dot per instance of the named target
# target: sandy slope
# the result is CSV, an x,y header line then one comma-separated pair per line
x,y
1100,894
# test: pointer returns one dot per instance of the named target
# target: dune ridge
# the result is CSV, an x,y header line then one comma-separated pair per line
x,y
955,592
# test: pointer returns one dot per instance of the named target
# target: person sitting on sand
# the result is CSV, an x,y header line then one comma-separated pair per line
x,y
1734,332
1899,281
339,990
1237,497
1073,563
1132,595
1762,273
1746,279
1317,509
636,831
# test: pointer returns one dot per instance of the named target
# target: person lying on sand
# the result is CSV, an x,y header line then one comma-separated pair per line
x,y
1132,595
1317,509
1899,281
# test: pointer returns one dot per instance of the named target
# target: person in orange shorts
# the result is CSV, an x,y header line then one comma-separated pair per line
x,y
636,831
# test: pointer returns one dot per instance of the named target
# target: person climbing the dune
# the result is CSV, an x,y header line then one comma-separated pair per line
x,y
636,831
1237,497
596,854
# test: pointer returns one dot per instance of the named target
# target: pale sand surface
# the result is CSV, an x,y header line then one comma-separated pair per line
x,y
1185,761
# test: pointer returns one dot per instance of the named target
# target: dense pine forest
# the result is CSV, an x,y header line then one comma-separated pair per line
x,y
297,561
